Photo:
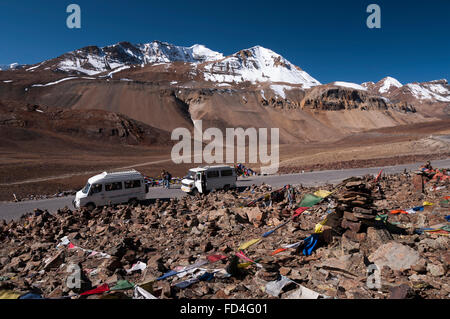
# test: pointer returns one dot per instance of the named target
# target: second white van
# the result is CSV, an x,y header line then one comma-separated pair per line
x,y
208,178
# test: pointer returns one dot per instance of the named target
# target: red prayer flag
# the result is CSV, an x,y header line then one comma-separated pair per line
x,y
379,174
279,250
100,289
214,258
399,211
241,255
300,210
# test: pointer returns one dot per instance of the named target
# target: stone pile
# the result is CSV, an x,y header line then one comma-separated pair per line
x,y
355,205
270,269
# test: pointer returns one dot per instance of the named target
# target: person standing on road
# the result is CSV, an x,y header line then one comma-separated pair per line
x,y
168,179
163,178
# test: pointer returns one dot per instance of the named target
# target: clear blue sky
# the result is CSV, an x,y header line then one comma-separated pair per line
x,y
328,39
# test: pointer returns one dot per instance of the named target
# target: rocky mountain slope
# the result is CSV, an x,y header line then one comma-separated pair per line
x,y
39,121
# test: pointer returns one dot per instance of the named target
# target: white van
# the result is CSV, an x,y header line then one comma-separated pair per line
x,y
208,178
110,188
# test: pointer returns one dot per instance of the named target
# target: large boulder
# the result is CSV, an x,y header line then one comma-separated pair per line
x,y
394,255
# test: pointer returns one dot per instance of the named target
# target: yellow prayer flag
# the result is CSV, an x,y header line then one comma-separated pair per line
x,y
322,193
248,244
9,294
318,229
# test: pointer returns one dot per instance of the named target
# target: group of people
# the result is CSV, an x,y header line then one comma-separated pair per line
x,y
166,177
241,170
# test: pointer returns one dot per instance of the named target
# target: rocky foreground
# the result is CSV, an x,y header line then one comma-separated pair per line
x,y
220,246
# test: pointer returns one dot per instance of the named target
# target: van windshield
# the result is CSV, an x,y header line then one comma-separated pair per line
x,y
86,188
190,175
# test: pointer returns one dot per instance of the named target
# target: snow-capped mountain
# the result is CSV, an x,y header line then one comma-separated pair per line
x,y
93,60
257,64
384,86
435,91
424,92
387,84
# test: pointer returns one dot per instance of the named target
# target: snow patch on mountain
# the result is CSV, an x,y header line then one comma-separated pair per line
x,y
55,82
89,64
367,84
280,90
118,70
350,85
34,67
437,88
62,80
202,53
430,91
262,94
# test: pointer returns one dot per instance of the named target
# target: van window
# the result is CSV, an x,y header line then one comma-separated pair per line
x,y
86,188
132,184
113,186
96,188
190,175
213,174
227,172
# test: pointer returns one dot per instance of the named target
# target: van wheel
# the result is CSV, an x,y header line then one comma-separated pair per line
x,y
90,207
133,202
194,192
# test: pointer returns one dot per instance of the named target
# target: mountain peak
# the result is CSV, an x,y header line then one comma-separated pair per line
x,y
259,52
257,64
201,52
387,83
